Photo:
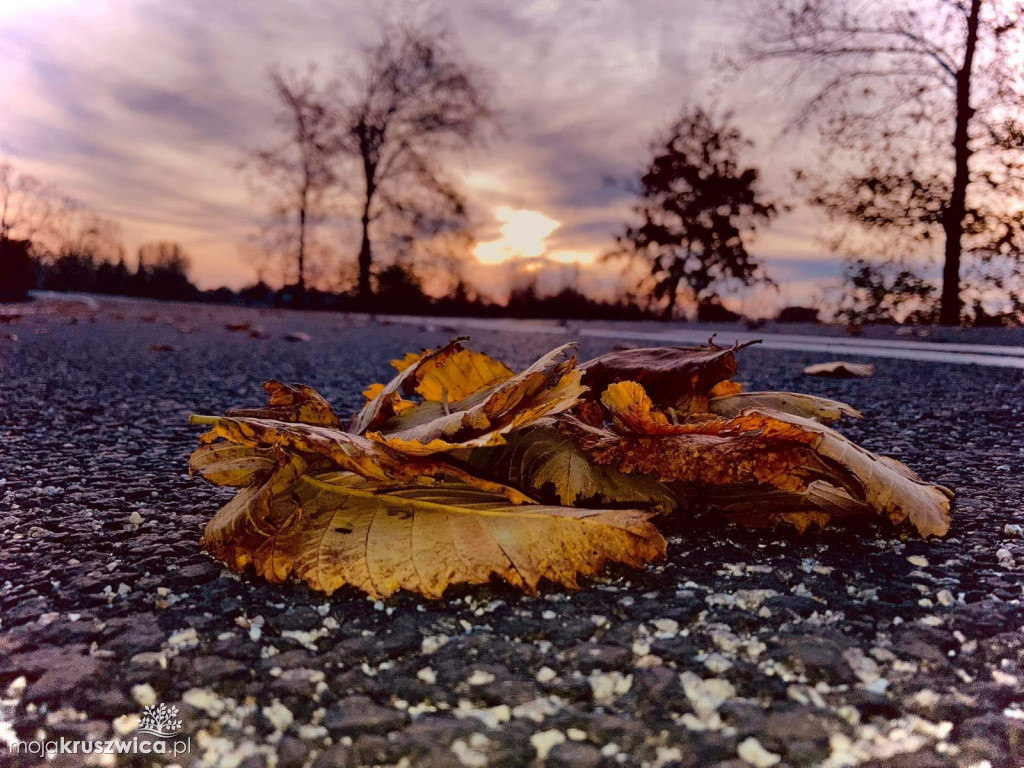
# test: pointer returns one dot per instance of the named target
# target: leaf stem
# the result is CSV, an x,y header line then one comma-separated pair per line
x,y
196,418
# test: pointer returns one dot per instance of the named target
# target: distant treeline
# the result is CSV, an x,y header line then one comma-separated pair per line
x,y
162,273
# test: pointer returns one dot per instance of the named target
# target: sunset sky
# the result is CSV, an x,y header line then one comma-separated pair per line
x,y
142,110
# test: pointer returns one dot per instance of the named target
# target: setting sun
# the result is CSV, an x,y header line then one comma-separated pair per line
x,y
523,235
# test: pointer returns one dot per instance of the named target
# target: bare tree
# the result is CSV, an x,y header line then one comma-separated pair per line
x,y
29,209
697,206
409,102
929,94
297,175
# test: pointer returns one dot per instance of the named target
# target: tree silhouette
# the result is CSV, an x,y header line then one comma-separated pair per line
x,y
29,209
884,293
918,105
296,176
409,102
697,206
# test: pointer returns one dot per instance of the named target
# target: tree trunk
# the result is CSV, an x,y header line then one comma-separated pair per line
x,y
300,286
365,248
953,223
365,256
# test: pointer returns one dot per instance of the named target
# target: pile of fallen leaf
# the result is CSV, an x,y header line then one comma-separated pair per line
x,y
459,470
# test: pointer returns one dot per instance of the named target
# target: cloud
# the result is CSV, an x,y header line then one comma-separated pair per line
x,y
143,108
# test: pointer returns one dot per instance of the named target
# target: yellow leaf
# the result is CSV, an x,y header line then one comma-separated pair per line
x,y
352,453
410,359
632,411
335,529
460,375
723,388
548,387
373,391
387,400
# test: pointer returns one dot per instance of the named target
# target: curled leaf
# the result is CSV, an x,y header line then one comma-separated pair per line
x,y
666,373
841,369
352,453
817,408
232,465
549,386
294,403
382,405
455,377
888,486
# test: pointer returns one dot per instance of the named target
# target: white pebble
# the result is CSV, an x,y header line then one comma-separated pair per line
x,y
545,741
751,751
479,677
279,716
546,675
144,694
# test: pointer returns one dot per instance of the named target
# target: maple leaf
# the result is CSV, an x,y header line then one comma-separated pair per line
x,y
336,529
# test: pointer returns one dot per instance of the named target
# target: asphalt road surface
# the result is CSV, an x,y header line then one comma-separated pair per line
x,y
836,648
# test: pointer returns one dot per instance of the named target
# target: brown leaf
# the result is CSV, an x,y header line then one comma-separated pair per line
x,y
888,486
543,460
233,465
293,403
336,529
666,373
841,369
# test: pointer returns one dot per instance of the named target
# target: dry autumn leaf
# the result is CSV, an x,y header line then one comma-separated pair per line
x,y
543,460
482,417
436,482
666,373
841,369
292,402
818,408
338,529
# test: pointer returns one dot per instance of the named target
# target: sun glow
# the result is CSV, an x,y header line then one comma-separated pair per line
x,y
523,236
